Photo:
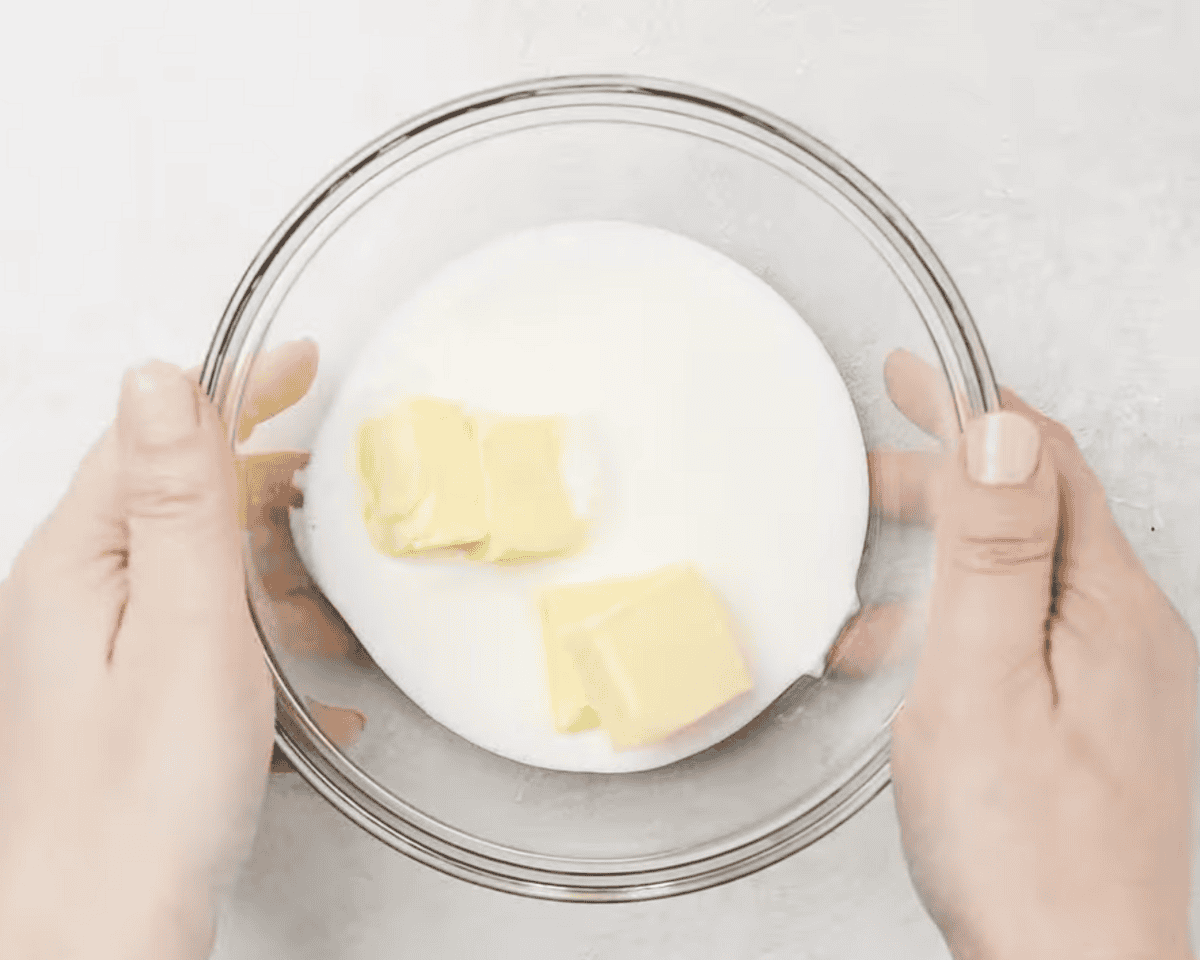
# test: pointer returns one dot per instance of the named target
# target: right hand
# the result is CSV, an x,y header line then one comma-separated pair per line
x,y
1043,759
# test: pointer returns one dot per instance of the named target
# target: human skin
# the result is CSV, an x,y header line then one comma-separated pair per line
x,y
136,712
1042,761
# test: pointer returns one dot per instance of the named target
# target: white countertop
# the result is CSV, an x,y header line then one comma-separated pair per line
x,y
1047,148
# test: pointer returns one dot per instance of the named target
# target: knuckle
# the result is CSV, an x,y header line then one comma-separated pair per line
x,y
1002,555
1053,432
170,495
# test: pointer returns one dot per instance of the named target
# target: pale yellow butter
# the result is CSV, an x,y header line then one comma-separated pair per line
x,y
659,659
564,609
420,470
529,513
435,477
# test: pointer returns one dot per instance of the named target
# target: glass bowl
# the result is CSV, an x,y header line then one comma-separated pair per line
x,y
730,176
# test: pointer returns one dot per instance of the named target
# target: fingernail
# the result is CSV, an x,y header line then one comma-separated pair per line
x,y
160,404
1002,449
343,726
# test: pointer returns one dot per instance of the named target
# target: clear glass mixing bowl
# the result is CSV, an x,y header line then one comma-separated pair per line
x,y
722,172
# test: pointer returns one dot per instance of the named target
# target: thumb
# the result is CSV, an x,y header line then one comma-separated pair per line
x,y
996,537
184,569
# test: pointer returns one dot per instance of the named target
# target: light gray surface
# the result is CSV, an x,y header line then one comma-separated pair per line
x,y
1047,149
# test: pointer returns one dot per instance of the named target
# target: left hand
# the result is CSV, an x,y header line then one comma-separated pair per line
x,y
302,618
138,710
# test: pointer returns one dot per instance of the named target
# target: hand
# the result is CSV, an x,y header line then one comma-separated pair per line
x,y
282,589
1043,759
137,710
137,723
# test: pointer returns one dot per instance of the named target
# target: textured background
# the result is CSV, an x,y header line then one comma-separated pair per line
x,y
1049,149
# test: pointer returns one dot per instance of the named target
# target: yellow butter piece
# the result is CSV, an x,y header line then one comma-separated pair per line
x,y
420,470
529,512
564,609
658,660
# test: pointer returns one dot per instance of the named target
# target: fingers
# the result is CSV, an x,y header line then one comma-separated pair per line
x,y
265,482
341,725
287,599
1090,557
919,391
159,480
878,637
177,482
997,532
904,484
279,379
1092,528
305,622
301,618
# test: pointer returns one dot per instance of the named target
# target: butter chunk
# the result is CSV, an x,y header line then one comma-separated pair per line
x,y
419,467
658,660
527,506
564,609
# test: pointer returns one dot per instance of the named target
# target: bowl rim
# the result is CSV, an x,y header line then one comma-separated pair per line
x,y
419,835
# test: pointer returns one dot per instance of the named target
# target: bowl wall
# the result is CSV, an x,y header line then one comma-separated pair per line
x,y
740,181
